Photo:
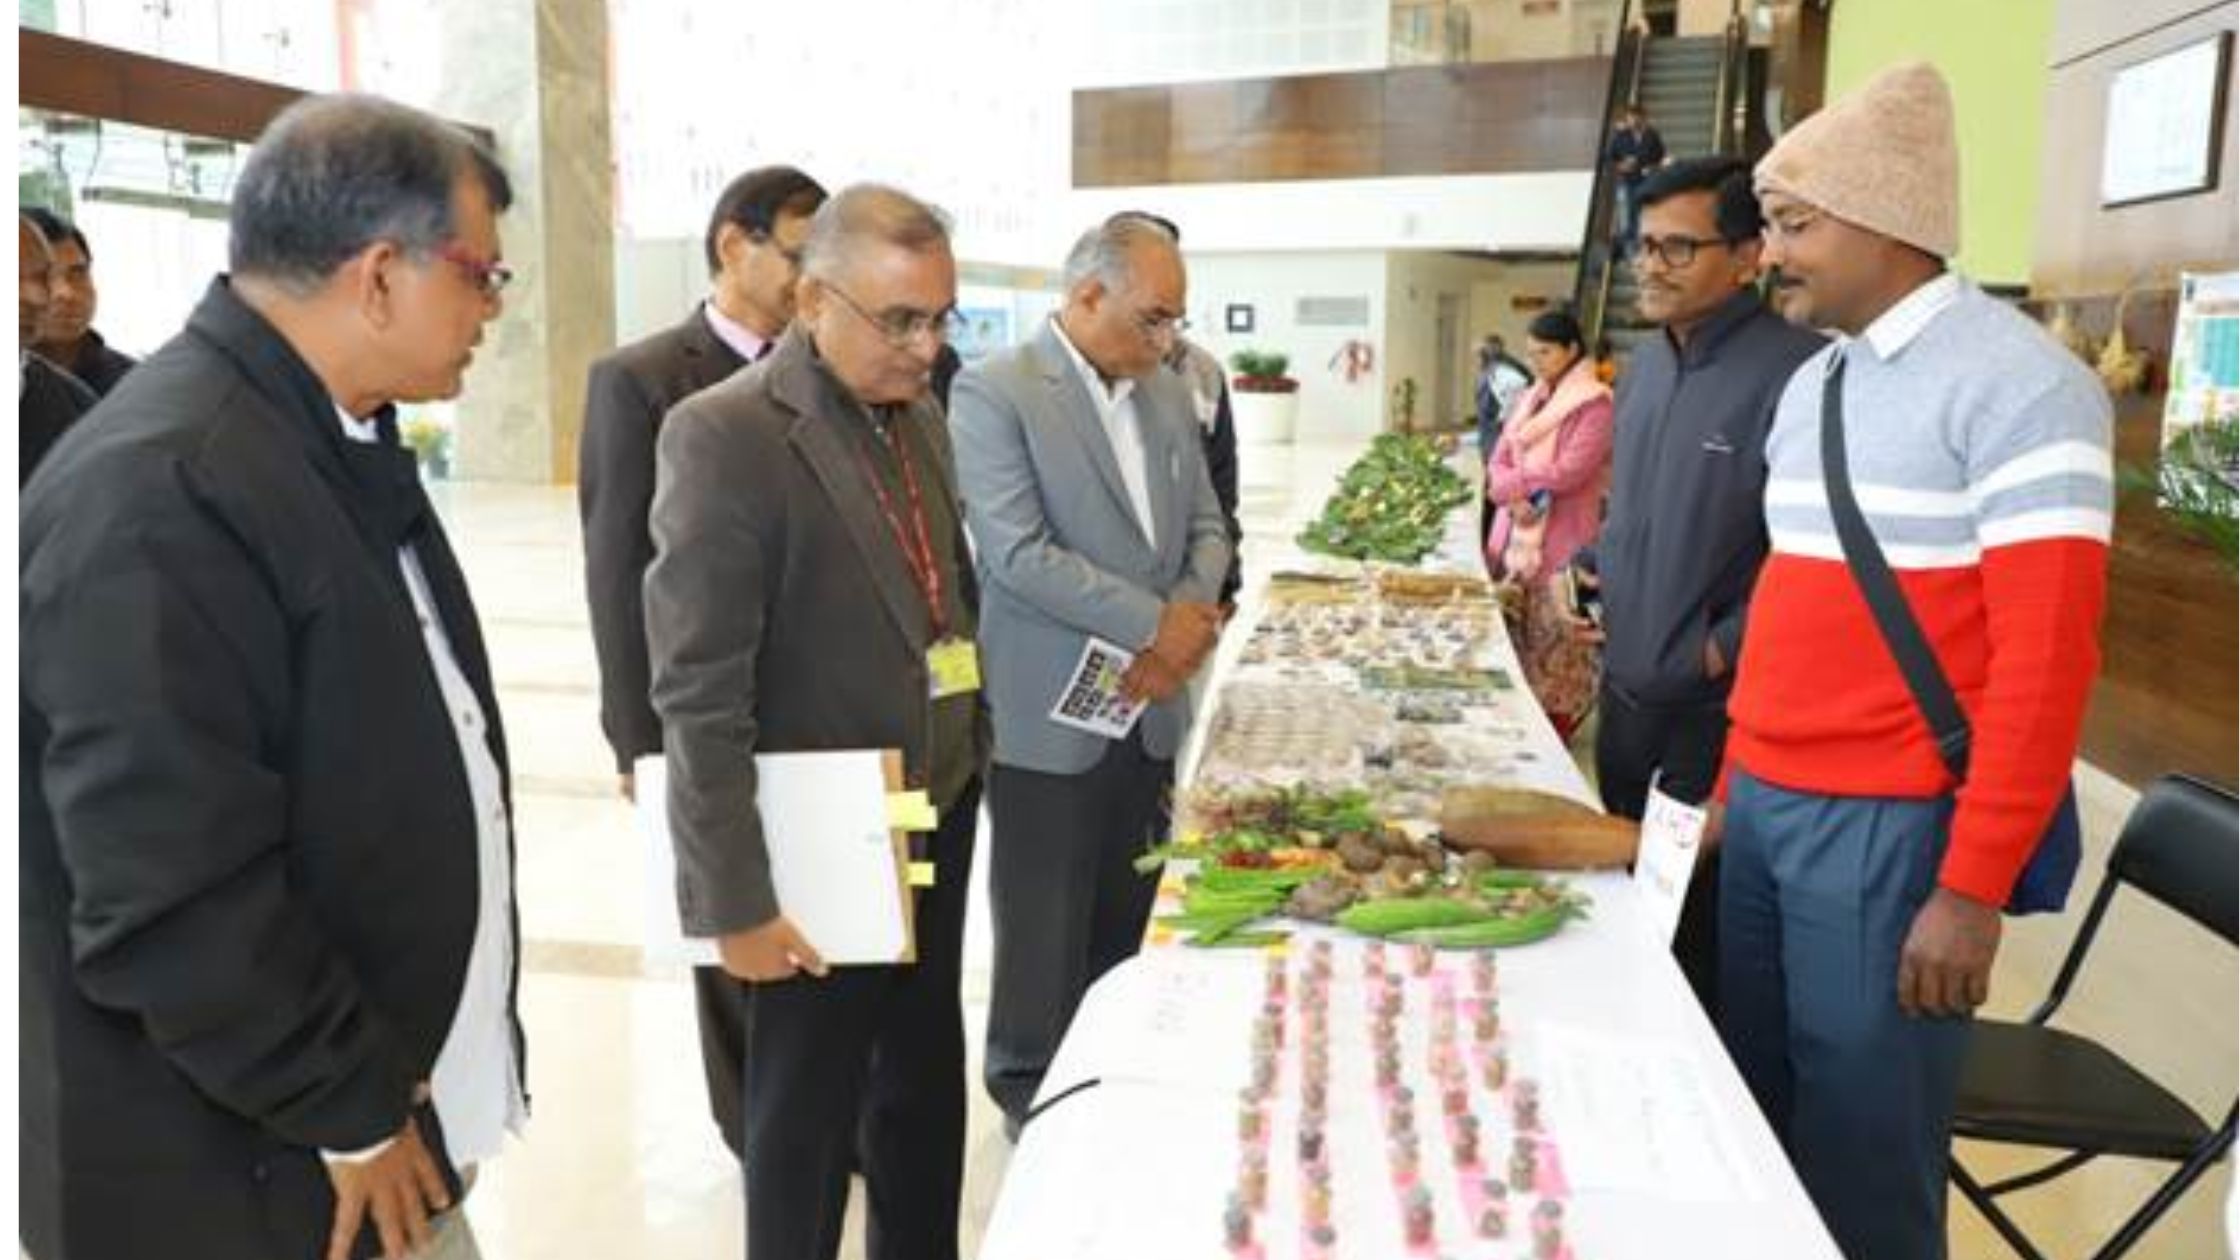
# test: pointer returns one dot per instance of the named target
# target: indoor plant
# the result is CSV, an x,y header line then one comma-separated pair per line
x,y
1265,400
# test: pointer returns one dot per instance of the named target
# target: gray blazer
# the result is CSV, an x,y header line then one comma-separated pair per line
x,y
779,613
1059,552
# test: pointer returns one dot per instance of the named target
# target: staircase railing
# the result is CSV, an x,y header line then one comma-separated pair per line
x,y
1596,259
1729,112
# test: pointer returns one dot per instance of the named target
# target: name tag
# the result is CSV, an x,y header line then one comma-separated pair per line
x,y
953,667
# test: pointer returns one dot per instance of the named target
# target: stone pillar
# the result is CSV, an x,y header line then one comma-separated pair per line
x,y
534,73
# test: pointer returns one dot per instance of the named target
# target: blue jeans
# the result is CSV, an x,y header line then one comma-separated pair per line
x,y
1816,895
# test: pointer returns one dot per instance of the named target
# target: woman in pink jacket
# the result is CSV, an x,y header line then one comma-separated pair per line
x,y
1546,480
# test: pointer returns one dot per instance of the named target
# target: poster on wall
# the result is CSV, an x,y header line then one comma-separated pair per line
x,y
2202,409
2164,120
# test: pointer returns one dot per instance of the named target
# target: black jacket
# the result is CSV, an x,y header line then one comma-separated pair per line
x,y
247,846
48,402
630,390
1685,535
99,365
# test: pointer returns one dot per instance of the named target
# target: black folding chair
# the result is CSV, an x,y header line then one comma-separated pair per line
x,y
2030,1084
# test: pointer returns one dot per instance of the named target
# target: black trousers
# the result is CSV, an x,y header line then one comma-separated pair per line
x,y
721,1003
1067,903
1685,743
883,1044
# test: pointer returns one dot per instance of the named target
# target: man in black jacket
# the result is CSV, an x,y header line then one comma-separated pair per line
x,y
1685,534
753,247
268,952
67,335
48,399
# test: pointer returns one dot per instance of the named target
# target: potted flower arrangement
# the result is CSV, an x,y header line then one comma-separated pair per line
x,y
431,441
1265,400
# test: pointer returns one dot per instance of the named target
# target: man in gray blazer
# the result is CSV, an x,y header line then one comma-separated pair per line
x,y
810,589
1088,503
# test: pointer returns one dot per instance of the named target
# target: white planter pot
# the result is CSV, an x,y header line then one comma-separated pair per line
x,y
1264,419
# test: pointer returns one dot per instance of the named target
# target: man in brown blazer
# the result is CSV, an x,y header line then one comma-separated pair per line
x,y
811,589
753,247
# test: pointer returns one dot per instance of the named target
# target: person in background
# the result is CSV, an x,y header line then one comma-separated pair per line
x,y
1501,381
67,336
48,399
1546,481
1686,533
752,247
1635,149
1862,879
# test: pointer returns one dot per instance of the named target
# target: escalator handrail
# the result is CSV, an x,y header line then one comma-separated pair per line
x,y
1592,289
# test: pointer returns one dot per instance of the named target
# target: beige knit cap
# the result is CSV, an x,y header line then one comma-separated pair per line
x,y
1884,158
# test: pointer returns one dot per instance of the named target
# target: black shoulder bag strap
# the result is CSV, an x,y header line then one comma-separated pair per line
x,y
1925,678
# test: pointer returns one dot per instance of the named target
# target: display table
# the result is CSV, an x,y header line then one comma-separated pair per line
x,y
1569,1099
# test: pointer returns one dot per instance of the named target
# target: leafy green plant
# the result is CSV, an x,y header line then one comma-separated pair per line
x,y
1262,372
1391,505
2195,484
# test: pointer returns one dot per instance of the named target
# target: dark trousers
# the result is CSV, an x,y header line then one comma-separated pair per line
x,y
1816,897
1684,743
721,1003
1067,902
885,1044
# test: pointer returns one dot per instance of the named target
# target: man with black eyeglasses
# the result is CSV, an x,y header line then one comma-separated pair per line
x,y
811,589
1087,497
753,249
1686,533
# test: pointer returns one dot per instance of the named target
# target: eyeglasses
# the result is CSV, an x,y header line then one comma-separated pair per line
x,y
1676,251
793,257
1153,327
902,328
1785,227
489,276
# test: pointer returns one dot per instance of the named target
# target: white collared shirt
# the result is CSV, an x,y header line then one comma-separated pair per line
x,y
477,1079
744,341
1123,427
1895,329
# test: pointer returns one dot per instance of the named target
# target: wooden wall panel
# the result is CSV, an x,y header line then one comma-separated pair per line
x,y
2084,249
1420,120
69,76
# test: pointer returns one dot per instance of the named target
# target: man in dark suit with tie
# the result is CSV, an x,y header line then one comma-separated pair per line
x,y
268,956
812,589
753,246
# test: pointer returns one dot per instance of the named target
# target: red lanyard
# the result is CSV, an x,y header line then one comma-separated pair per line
x,y
917,546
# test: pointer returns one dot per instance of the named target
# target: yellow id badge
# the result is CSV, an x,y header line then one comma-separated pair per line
x,y
953,667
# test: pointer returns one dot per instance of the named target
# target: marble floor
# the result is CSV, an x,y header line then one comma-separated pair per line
x,y
621,1163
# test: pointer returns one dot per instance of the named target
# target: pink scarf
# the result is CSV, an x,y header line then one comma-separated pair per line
x,y
1533,434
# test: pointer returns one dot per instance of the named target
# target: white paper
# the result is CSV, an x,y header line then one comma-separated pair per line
x,y
1671,839
1637,1116
832,860
1091,700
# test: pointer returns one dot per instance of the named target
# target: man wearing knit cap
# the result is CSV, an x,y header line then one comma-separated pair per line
x,y
1862,882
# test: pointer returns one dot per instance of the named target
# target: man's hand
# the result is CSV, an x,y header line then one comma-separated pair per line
x,y
1151,678
1714,824
1714,660
400,1188
775,951
1186,634
1945,968
630,786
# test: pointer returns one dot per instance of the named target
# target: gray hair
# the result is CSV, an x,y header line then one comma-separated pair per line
x,y
863,214
1103,251
333,174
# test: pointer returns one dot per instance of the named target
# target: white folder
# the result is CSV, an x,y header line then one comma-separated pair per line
x,y
839,870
